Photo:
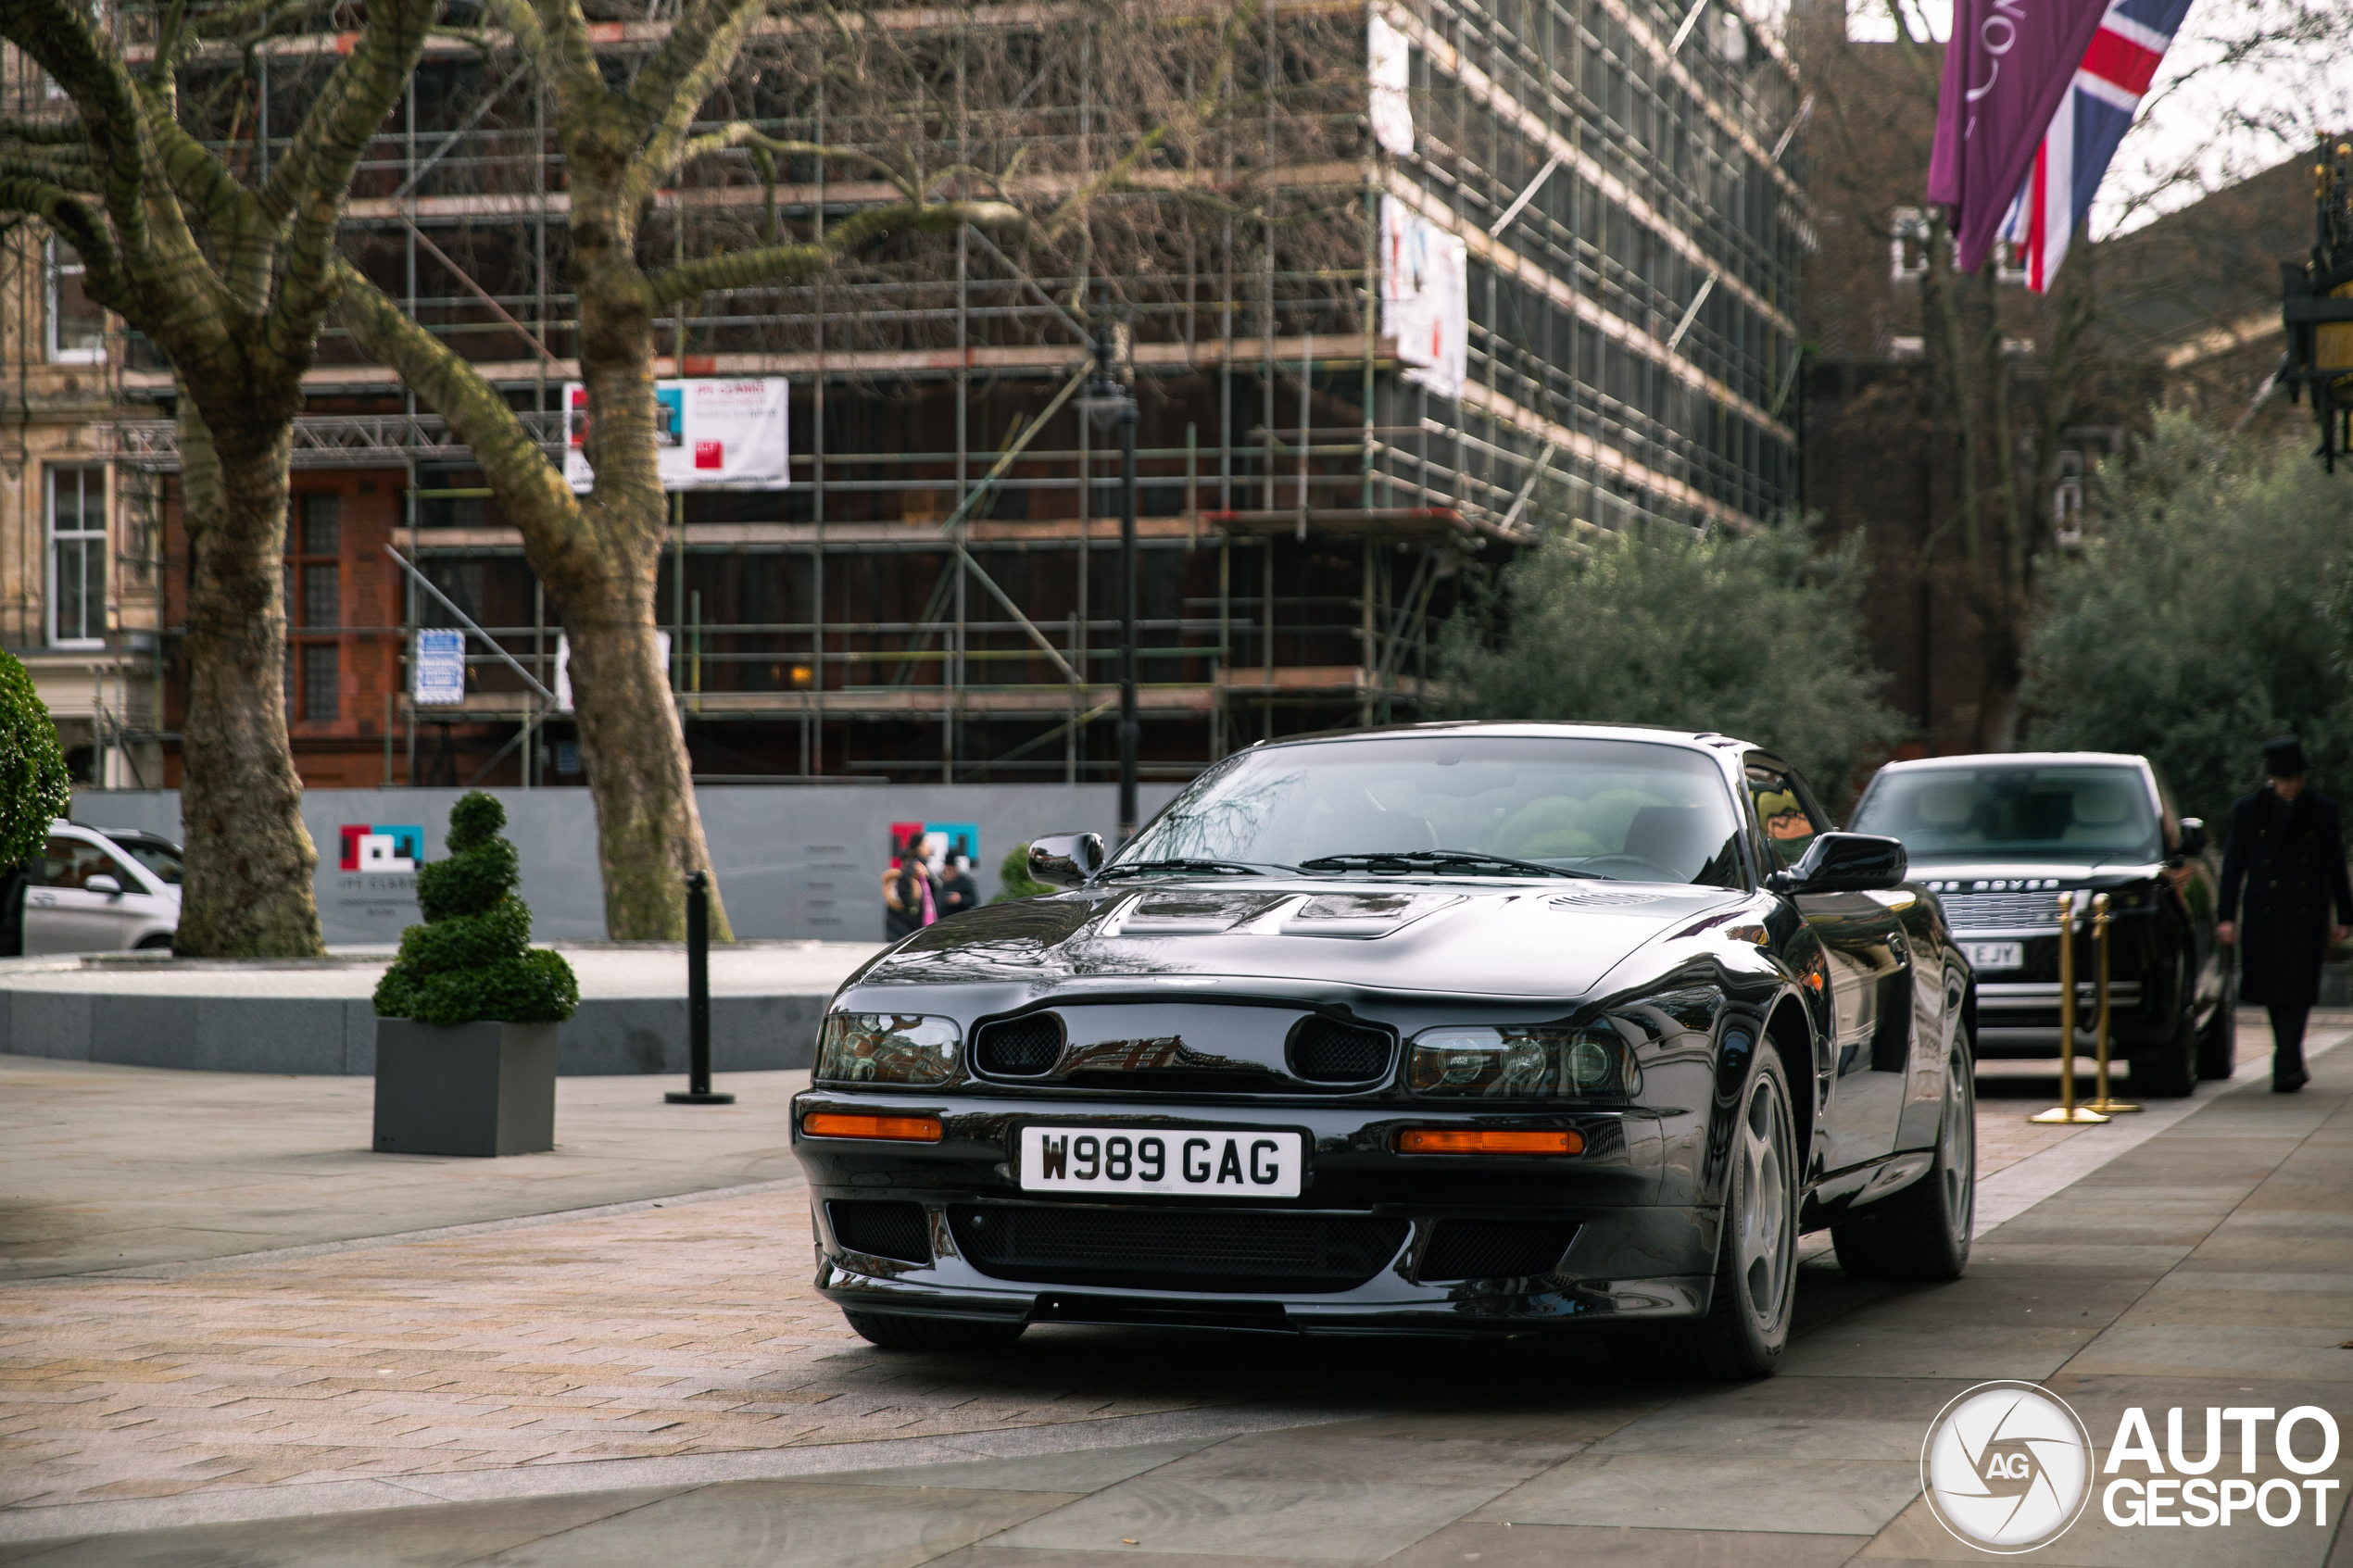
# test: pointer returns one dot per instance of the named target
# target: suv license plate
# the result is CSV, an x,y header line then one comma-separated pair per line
x,y
1207,1162
1997,955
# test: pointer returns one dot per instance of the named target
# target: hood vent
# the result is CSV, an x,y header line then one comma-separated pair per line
x,y
1020,1047
1324,1050
1363,915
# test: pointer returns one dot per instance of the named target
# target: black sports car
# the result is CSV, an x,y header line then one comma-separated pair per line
x,y
1453,1029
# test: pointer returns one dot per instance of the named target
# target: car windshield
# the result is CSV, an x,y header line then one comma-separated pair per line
x,y
2017,812
1630,810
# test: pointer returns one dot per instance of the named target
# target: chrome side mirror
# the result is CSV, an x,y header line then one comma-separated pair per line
x,y
1067,859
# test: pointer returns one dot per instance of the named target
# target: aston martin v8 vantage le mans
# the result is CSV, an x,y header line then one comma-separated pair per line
x,y
1450,1029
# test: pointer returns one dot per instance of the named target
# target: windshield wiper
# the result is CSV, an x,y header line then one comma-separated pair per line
x,y
1178,866
1434,859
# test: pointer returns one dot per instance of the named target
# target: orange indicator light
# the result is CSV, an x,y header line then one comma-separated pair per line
x,y
899,1129
1477,1140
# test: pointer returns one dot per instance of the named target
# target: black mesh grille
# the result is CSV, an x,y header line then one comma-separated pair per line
x,y
886,1230
1324,1050
1020,1047
1495,1248
1176,1249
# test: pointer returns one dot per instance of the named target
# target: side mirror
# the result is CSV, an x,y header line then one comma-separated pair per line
x,y
2192,837
103,883
1067,859
1844,863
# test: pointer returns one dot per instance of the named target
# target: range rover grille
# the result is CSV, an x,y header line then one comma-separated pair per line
x,y
2003,911
1176,1249
1324,1050
1020,1047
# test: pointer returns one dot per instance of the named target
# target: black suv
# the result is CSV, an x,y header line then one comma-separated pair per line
x,y
1998,838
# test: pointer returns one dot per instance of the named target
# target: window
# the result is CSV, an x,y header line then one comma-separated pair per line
x,y
2009,263
1908,244
322,688
77,556
72,862
314,606
77,328
2067,500
1783,811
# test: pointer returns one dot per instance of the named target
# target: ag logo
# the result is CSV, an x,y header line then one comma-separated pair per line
x,y
2006,1467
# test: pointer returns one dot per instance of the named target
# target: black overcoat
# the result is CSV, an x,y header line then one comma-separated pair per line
x,y
2288,858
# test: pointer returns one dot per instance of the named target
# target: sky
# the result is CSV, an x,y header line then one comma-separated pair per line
x,y
2244,84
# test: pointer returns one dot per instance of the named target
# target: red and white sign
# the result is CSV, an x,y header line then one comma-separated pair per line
x,y
710,433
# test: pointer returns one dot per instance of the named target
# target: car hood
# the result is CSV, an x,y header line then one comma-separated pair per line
x,y
1555,939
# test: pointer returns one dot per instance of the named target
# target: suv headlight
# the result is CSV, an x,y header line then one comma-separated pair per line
x,y
887,1048
1517,1062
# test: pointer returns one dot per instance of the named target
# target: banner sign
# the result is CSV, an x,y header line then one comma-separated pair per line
x,y
437,667
1424,297
2006,66
709,434
1391,68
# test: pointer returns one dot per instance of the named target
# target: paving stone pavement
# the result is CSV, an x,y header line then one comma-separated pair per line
x,y
621,1387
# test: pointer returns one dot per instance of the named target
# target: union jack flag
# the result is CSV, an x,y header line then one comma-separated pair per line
x,y
2092,118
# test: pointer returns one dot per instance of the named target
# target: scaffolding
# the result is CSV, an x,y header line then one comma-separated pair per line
x,y
925,600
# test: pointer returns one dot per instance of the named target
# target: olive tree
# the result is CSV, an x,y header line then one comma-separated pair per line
x,y
230,273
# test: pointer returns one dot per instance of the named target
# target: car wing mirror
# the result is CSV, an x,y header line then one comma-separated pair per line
x,y
1066,859
1844,863
103,883
2192,837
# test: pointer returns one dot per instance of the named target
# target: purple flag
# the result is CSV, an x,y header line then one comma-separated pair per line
x,y
2007,64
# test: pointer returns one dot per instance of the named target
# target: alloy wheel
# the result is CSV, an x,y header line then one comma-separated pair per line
x,y
1957,1142
1766,1238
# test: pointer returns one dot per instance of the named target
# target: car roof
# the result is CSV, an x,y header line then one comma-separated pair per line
x,y
2022,760
1708,741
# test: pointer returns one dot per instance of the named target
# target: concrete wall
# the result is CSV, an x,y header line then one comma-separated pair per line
x,y
793,860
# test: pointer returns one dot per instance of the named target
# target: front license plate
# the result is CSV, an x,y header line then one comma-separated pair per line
x,y
1997,955
1208,1164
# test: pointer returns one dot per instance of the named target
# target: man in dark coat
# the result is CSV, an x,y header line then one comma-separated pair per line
x,y
2287,852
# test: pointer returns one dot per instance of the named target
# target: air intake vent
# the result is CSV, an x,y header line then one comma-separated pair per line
x,y
1020,1047
1495,1249
1324,1050
1176,1249
885,1230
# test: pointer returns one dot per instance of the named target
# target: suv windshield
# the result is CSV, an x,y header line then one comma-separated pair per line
x,y
1624,810
2014,812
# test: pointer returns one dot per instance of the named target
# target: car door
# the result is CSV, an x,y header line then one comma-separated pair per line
x,y
1871,973
62,914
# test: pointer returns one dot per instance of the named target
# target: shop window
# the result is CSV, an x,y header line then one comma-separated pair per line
x,y
77,328
77,505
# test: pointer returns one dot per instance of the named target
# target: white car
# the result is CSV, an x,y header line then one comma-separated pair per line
x,y
86,894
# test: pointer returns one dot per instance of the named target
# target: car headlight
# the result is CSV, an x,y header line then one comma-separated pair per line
x,y
887,1048
1533,1061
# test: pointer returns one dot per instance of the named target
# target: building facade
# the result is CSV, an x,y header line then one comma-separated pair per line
x,y
1432,282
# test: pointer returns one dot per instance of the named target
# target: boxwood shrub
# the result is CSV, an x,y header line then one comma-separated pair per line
x,y
472,961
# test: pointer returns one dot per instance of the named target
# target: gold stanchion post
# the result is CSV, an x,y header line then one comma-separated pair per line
x,y
2066,1113
2106,1104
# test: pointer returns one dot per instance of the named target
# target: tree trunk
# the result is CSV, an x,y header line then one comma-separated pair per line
x,y
250,859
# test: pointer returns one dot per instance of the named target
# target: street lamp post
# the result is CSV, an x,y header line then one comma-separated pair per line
x,y
1107,402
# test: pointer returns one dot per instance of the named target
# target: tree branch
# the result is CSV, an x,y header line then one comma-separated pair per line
x,y
658,159
707,34
747,269
63,41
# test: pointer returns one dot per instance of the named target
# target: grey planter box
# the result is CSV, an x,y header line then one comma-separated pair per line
x,y
479,1088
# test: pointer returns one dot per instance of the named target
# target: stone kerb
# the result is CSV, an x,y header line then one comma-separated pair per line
x,y
315,1017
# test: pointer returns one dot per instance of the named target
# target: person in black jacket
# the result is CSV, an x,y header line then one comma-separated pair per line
x,y
2287,851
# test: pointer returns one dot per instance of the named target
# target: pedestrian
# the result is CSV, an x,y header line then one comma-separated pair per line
x,y
909,904
2287,851
958,891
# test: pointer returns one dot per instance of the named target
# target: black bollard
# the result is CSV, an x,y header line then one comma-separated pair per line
x,y
698,998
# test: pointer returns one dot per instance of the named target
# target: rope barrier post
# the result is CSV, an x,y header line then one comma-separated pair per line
x,y
698,999
2066,1113
2106,1105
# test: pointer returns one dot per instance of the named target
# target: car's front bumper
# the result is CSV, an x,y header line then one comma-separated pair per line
x,y
1624,1253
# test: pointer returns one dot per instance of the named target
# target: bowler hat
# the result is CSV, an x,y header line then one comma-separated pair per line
x,y
2283,757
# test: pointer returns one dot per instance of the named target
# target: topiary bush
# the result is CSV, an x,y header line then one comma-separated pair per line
x,y
33,785
472,961
1013,874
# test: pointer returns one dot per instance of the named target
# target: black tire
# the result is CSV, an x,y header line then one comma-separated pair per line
x,y
1742,1338
2218,1043
911,1331
160,941
1922,1233
2171,1071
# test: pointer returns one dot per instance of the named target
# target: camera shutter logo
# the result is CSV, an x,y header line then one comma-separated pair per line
x,y
2006,1467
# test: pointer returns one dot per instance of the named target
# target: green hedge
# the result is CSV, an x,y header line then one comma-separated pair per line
x,y
472,961
34,789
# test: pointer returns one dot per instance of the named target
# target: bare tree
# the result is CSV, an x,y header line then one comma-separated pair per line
x,y
230,274
932,118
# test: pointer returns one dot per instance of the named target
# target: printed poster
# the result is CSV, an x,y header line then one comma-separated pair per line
x,y
709,434
1424,297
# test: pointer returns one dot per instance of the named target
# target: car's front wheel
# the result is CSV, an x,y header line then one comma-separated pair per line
x,y
2218,1043
913,1331
2170,1070
1923,1231
1756,1295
